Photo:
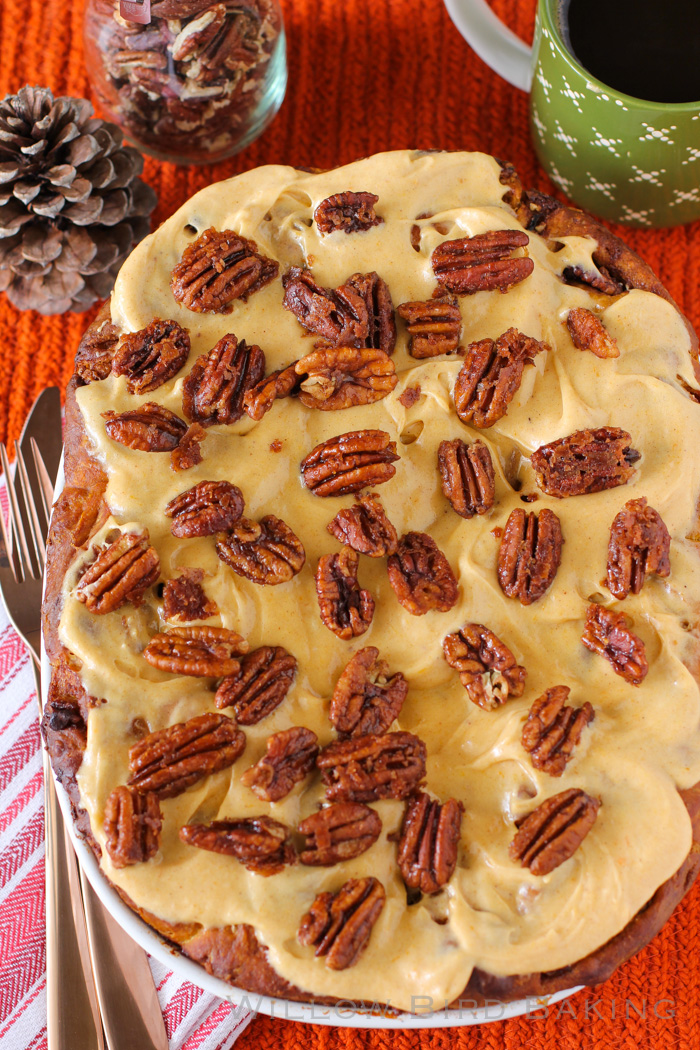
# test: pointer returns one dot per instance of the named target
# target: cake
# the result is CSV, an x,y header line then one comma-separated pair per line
x,y
372,592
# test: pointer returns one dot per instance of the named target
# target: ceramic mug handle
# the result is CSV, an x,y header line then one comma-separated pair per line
x,y
493,42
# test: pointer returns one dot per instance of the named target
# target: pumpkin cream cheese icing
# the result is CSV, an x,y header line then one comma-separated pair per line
x,y
644,742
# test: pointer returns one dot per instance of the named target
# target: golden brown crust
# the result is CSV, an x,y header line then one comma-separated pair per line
x,y
233,953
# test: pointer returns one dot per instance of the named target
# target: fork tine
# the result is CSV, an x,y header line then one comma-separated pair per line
x,y
6,552
45,485
36,529
15,519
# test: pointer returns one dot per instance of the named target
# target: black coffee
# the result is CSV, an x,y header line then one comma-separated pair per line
x,y
646,48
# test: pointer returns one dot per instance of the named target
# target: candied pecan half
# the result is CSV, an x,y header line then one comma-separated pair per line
x,y
213,391
589,333
375,293
339,924
491,375
433,327
261,844
217,268
260,398
260,685
202,652
349,462
349,211
290,756
149,428
367,698
365,527
336,377
206,508
184,598
346,609
132,824
606,632
585,461
487,668
150,357
552,833
172,759
467,475
421,575
370,767
266,552
338,832
93,360
429,841
529,555
639,543
552,730
482,263
599,279
188,453
339,315
121,572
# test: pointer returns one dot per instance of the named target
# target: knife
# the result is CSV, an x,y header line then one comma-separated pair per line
x,y
131,1013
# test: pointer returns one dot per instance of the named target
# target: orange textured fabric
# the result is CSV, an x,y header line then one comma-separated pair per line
x,y
365,76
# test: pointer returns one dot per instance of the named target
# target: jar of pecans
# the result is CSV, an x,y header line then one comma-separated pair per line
x,y
191,81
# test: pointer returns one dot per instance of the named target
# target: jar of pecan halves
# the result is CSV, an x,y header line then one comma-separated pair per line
x,y
187,80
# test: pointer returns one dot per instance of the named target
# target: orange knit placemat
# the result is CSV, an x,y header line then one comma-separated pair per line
x,y
365,76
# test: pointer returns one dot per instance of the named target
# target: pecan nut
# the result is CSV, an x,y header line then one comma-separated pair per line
x,y
339,925
187,453
149,428
121,572
150,357
93,360
206,508
371,767
338,832
606,632
589,333
201,652
365,527
290,757
421,575
433,328
487,668
217,268
260,398
552,730
184,598
599,278
132,825
260,844
585,461
429,841
374,291
213,391
491,376
357,460
529,555
367,698
266,552
482,263
261,684
346,608
639,544
337,377
339,315
349,211
552,833
467,475
171,760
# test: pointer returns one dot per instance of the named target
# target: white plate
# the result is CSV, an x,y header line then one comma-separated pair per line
x,y
287,1009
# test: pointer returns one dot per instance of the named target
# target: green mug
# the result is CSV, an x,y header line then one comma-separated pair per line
x,y
623,158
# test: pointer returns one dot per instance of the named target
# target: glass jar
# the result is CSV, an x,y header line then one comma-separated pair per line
x,y
191,81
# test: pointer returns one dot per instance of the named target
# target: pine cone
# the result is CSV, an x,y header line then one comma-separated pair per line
x,y
71,203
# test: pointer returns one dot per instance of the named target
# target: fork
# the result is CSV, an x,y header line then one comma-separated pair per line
x,y
93,966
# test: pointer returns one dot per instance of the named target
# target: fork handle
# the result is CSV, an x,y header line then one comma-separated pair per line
x,y
73,1019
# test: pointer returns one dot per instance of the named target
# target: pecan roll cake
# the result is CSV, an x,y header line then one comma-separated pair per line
x,y
373,589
